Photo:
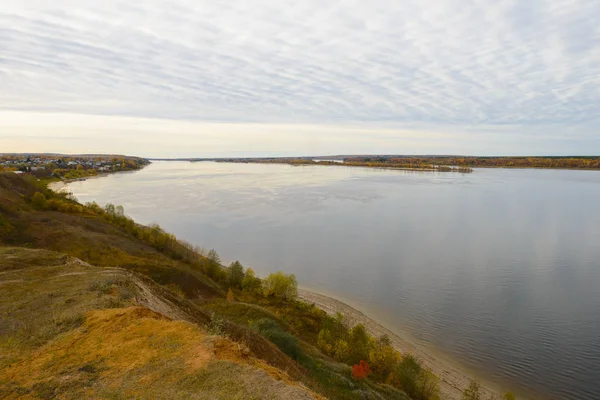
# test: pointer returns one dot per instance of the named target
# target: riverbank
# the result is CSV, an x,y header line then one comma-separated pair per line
x,y
453,379
59,185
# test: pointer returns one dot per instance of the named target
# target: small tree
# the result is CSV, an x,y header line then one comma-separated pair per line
x,y
110,209
383,357
251,283
230,298
213,263
341,351
473,392
325,341
359,343
407,374
428,386
281,285
214,256
39,200
236,274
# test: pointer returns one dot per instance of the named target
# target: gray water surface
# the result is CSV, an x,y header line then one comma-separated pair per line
x,y
499,269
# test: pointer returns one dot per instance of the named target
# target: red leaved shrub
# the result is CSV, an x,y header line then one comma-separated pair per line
x,y
361,371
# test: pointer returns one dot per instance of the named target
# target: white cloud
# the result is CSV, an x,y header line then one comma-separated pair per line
x,y
530,68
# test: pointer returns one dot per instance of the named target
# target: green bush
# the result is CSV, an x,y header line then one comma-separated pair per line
x,y
359,344
473,392
416,381
251,283
5,226
273,332
212,266
281,285
383,358
39,200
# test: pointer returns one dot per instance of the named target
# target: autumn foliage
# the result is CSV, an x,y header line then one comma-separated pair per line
x,y
230,298
361,371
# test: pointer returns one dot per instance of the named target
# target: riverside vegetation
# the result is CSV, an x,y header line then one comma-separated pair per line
x,y
96,305
412,163
463,164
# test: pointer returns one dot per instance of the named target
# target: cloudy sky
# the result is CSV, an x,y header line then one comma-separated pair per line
x,y
257,77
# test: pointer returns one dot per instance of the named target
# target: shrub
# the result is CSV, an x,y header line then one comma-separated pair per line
x,y
383,357
212,265
274,333
429,386
39,200
361,370
418,382
281,285
324,341
341,351
251,283
230,298
359,344
5,226
216,325
473,392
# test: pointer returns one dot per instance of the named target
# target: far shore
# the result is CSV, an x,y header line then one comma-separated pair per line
x,y
453,378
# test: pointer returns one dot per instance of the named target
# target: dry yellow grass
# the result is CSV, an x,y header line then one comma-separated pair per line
x,y
60,341
137,353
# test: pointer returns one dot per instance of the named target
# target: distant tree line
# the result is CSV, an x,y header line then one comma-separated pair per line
x,y
411,164
582,162
439,163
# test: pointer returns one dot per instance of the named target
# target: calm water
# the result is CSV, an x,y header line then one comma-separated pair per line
x,y
499,269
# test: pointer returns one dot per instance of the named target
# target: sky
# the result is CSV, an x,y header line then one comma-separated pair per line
x,y
211,78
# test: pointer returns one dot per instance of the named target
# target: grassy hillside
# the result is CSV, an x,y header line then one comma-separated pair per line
x,y
72,330
65,226
93,305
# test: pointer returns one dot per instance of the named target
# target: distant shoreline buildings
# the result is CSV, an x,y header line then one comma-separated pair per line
x,y
68,167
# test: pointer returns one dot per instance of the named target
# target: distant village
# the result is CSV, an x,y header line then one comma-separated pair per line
x,y
68,167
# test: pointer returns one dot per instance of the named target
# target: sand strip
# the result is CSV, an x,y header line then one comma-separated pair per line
x,y
57,186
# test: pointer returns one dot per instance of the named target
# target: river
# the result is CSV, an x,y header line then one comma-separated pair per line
x,y
498,269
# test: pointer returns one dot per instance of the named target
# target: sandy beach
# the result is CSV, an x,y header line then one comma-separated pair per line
x,y
57,186
63,185
453,380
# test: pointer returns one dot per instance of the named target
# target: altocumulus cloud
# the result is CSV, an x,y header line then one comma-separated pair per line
x,y
347,76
